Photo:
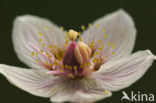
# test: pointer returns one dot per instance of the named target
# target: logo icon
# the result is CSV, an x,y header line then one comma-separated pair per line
x,y
125,96
137,96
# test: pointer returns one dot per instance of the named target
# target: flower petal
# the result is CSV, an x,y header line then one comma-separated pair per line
x,y
38,31
116,29
30,80
86,90
124,72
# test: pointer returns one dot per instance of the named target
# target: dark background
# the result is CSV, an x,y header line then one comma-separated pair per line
x,y
72,14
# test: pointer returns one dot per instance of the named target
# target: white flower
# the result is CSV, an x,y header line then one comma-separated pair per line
x,y
73,67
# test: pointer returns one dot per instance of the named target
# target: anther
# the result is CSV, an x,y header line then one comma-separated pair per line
x,y
72,35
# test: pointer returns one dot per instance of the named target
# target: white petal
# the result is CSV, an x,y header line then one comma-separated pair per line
x,y
120,31
124,72
86,90
26,29
30,80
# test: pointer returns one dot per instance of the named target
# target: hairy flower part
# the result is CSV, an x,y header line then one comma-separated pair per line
x,y
86,66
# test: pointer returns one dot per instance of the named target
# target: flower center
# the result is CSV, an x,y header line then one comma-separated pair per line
x,y
76,59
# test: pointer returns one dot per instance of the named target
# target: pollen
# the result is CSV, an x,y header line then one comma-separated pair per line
x,y
90,25
80,39
102,45
41,51
40,33
113,53
49,46
104,58
70,75
52,28
45,28
100,41
61,70
36,53
103,30
75,67
83,27
106,92
109,43
105,35
97,25
40,40
42,45
37,61
113,46
32,54
62,28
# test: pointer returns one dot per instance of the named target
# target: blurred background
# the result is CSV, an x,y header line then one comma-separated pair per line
x,y
73,14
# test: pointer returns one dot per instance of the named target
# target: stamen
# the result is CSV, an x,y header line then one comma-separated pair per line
x,y
83,27
72,35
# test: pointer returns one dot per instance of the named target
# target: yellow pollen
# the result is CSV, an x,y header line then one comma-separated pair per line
x,y
86,68
66,37
103,30
95,60
46,63
36,53
50,56
66,33
62,66
70,75
47,54
80,39
55,47
40,34
66,44
61,70
45,28
104,58
100,49
105,35
102,45
97,25
113,53
109,43
40,40
99,61
97,53
41,51
52,28
50,65
90,25
62,28
37,61
75,67
67,41
79,33
42,45
113,46
49,46
89,64
106,92
66,66
100,41
70,67
81,66
32,54
83,27
93,43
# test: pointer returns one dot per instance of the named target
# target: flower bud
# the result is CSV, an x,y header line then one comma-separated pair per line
x,y
82,53
72,35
